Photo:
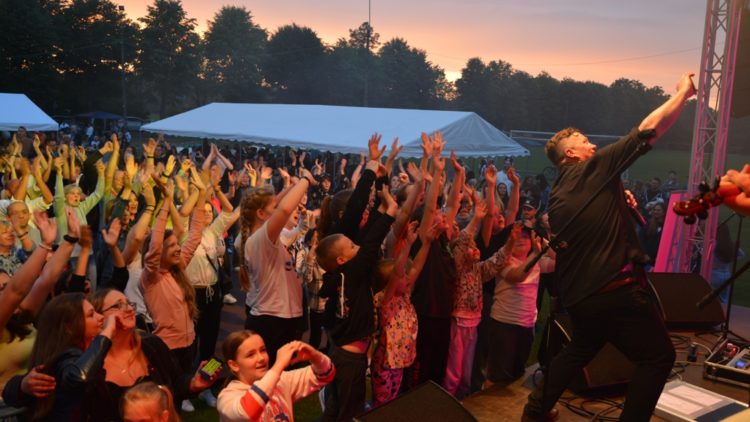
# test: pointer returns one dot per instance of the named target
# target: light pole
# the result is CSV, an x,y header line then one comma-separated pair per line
x,y
122,69
367,52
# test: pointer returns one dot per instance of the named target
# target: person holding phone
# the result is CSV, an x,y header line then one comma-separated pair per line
x,y
260,393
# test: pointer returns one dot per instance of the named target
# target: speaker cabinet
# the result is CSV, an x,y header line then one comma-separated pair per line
x,y
677,295
426,402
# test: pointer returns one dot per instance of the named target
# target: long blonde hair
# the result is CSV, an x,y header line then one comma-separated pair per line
x,y
252,201
182,280
153,392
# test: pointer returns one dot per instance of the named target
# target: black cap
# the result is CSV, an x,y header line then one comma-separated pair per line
x,y
531,203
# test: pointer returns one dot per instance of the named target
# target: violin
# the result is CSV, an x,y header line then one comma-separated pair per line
x,y
708,197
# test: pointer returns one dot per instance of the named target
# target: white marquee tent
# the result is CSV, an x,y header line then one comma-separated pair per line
x,y
18,110
337,128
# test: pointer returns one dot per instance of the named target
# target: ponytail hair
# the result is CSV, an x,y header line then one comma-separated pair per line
x,y
252,201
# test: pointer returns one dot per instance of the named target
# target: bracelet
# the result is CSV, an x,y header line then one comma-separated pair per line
x,y
47,247
165,175
308,180
70,239
150,156
149,208
21,236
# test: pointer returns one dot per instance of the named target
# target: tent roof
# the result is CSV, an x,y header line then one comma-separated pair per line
x,y
338,128
18,110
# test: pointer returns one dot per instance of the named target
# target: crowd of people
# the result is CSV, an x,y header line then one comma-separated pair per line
x,y
115,264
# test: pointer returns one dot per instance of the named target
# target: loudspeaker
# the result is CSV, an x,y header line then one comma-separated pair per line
x,y
609,371
677,294
426,402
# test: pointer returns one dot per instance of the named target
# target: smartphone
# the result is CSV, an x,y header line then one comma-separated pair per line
x,y
209,369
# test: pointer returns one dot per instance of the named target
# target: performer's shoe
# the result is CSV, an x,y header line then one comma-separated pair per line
x,y
550,416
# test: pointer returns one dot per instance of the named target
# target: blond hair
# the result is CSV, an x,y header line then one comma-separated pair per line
x,y
152,392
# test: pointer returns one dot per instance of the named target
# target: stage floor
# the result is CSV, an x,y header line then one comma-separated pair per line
x,y
505,402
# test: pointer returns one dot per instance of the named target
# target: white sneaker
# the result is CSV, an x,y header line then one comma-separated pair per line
x,y
187,406
208,397
229,299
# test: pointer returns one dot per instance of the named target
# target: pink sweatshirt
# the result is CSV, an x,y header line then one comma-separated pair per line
x,y
163,296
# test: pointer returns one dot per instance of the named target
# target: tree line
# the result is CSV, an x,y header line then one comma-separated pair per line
x,y
68,56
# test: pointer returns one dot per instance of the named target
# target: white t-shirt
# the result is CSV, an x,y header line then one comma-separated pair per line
x,y
275,286
515,303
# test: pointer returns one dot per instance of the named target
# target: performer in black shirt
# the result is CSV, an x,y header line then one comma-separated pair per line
x,y
597,269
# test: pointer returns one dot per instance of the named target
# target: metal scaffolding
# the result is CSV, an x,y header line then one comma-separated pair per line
x,y
714,102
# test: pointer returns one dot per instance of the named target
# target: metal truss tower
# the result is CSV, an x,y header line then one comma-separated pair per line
x,y
714,101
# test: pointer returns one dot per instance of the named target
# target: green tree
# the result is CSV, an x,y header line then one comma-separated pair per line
x,y
28,46
169,60
364,37
295,59
406,78
234,53
95,34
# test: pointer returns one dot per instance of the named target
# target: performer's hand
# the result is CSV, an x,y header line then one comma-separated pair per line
x,y
735,189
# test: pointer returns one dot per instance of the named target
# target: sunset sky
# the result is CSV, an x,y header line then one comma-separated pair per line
x,y
599,40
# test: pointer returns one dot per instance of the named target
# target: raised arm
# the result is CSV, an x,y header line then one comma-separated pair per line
x,y
430,201
152,260
93,199
490,175
39,180
54,267
666,114
458,184
109,174
515,196
287,206
22,281
138,232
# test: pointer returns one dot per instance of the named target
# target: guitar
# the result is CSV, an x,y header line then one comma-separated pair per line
x,y
708,197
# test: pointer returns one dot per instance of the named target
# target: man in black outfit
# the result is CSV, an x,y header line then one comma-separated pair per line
x,y
597,267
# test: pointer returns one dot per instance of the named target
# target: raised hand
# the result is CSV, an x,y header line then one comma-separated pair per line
x,y
149,148
302,156
85,239
490,175
47,228
686,84
454,162
148,194
437,143
196,179
414,172
388,201
266,173
130,167
284,173
171,161
169,190
111,235
395,149
285,354
426,145
37,141
480,209
100,167
373,145
108,147
513,176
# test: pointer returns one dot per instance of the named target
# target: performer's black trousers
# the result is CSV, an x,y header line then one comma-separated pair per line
x,y
628,318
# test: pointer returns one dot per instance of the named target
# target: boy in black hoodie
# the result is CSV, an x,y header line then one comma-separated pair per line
x,y
347,285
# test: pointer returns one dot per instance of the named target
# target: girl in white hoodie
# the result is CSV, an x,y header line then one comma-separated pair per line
x,y
260,393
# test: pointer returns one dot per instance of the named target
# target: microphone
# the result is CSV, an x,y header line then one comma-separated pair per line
x,y
637,216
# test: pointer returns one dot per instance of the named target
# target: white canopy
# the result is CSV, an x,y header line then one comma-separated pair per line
x,y
18,110
337,128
